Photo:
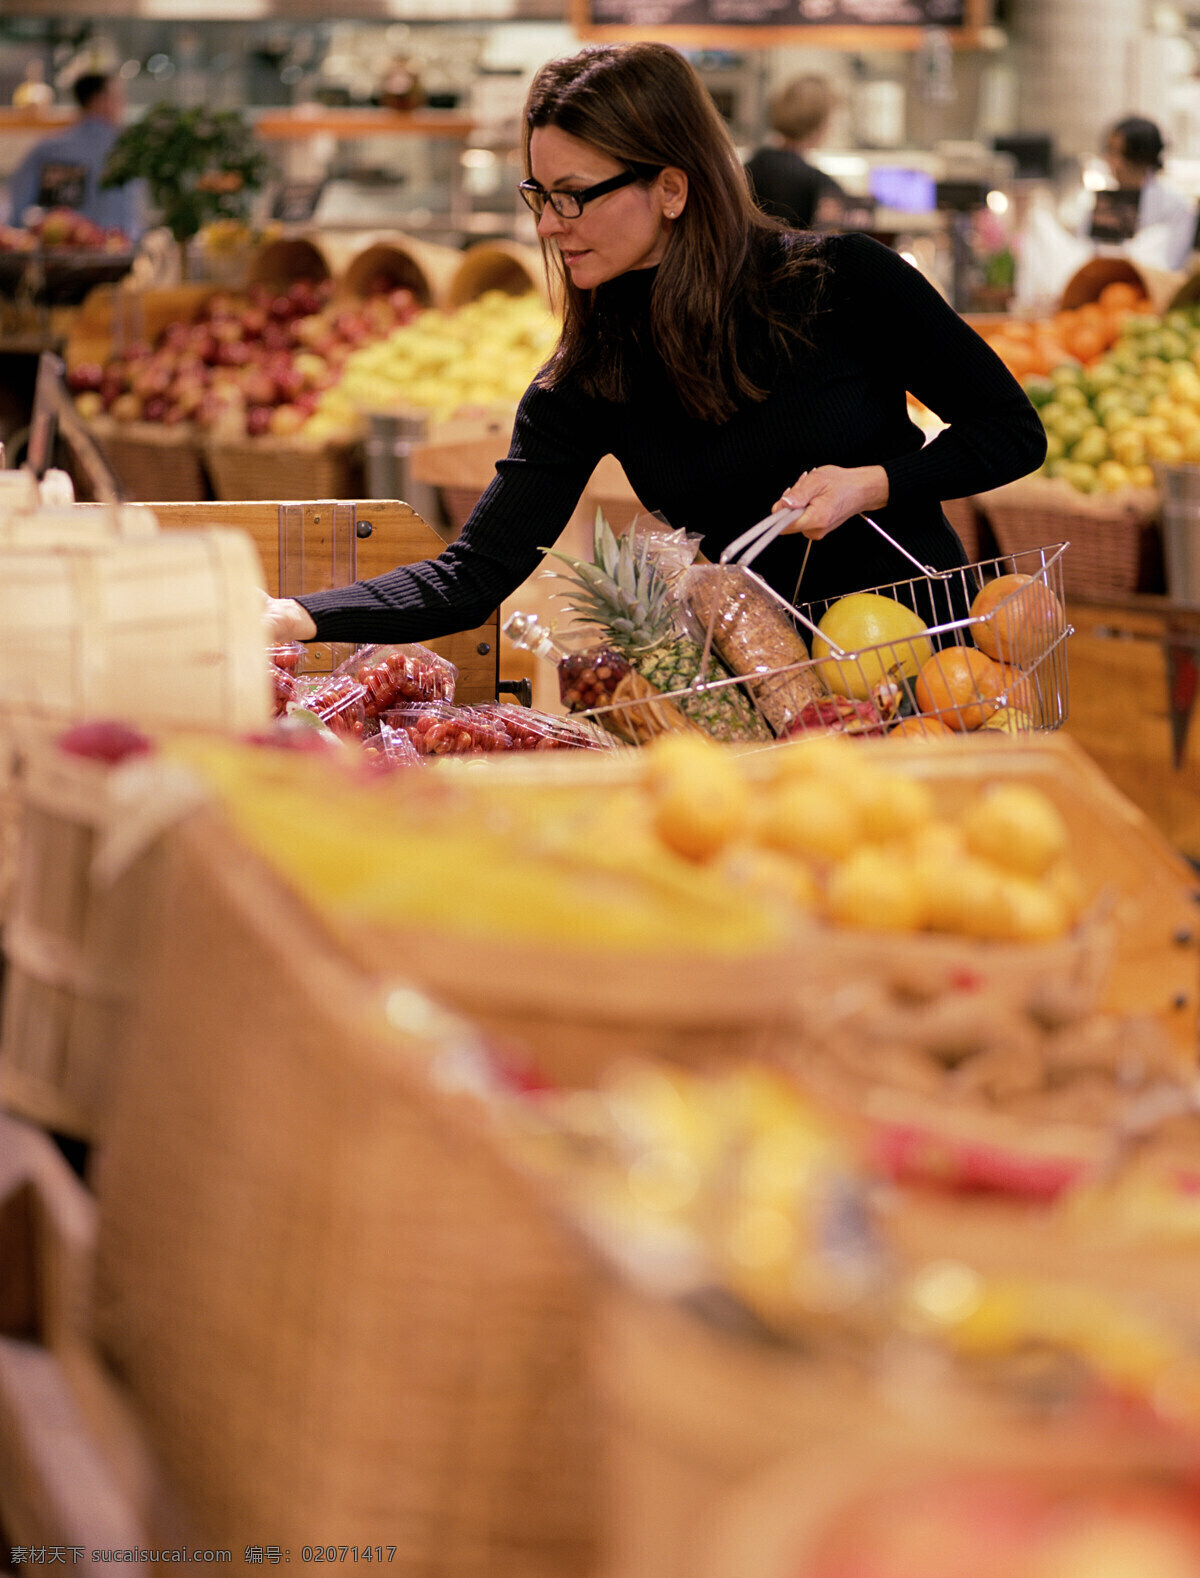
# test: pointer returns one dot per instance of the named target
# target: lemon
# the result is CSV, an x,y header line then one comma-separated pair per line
x,y
1009,720
890,805
810,818
1017,827
963,896
700,798
888,636
874,890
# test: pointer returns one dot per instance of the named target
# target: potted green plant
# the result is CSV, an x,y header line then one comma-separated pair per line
x,y
199,165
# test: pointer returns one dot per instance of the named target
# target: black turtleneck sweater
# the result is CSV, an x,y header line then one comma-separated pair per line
x,y
879,330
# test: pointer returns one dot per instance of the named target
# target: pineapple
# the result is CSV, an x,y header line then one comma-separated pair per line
x,y
624,593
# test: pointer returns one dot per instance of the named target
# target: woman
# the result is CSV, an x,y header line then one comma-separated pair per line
x,y
730,366
1165,225
783,181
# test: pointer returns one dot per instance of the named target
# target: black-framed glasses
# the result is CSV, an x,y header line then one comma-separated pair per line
x,y
569,205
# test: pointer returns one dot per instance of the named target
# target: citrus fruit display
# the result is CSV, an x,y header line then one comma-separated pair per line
x,y
1081,334
1024,619
889,635
961,686
1109,418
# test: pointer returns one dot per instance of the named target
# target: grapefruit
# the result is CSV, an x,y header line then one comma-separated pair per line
x,y
1024,619
960,685
887,637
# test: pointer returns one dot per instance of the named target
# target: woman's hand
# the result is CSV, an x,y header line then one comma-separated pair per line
x,y
832,494
286,620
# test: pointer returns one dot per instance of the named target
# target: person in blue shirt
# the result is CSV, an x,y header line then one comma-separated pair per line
x,y
64,171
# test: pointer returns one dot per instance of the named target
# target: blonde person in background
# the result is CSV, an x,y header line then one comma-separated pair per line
x,y
784,183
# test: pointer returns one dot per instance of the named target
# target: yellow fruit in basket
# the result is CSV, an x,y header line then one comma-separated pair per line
x,y
1165,447
772,873
1009,720
1023,617
1113,476
812,818
700,798
1128,447
1142,476
890,805
960,894
875,890
1017,827
869,620
938,840
1033,911
826,756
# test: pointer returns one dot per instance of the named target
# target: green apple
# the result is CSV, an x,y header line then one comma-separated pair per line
x,y
1091,447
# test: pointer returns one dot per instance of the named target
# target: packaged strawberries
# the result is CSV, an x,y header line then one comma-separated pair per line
x,y
438,728
529,730
393,675
284,663
337,700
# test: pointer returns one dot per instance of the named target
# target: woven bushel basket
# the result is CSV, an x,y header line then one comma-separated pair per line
x,y
276,468
1106,532
156,464
338,1314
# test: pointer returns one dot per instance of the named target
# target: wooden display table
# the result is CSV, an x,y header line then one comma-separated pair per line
x,y
397,536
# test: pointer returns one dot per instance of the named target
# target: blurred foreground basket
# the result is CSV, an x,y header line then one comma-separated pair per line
x,y
336,1312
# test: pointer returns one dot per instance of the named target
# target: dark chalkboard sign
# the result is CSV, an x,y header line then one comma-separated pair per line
x,y
845,24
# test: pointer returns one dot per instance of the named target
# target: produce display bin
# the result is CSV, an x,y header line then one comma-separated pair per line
x,y
154,462
277,468
1110,535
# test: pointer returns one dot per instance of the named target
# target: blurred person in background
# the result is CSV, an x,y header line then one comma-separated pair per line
x,y
1165,220
784,183
63,171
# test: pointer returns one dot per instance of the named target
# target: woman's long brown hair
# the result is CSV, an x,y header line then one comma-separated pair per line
x,y
643,104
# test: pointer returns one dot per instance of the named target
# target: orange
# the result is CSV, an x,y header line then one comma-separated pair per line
x,y
1023,691
1089,312
1052,351
1088,340
1120,293
1024,619
960,685
1018,356
920,728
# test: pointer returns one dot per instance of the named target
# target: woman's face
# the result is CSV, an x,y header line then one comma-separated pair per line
x,y
1125,174
622,230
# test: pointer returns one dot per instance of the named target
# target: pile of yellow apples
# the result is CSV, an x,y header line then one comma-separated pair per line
x,y
1107,423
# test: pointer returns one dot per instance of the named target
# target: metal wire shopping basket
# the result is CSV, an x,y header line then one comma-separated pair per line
x,y
1000,667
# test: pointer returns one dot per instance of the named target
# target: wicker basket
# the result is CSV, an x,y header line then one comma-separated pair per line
x,y
73,948
1110,535
341,1317
155,463
401,262
496,265
286,259
278,468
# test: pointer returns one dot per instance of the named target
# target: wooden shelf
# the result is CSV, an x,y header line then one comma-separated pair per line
x,y
290,125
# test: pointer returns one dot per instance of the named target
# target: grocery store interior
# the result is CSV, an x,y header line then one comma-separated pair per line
x,y
628,1064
